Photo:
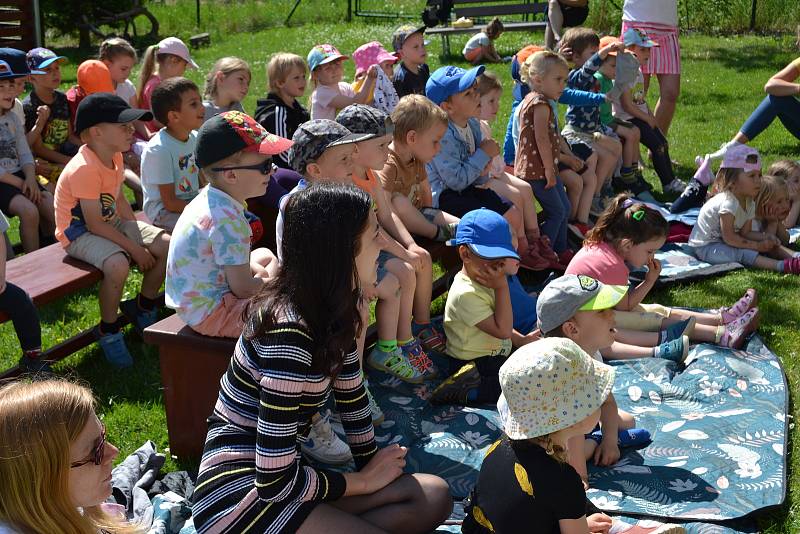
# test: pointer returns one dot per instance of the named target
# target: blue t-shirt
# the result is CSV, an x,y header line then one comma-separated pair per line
x,y
167,160
523,306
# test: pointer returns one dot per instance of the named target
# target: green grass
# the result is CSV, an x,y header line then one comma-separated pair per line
x,y
722,82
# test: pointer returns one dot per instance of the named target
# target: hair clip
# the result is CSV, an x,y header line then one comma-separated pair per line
x,y
638,215
627,203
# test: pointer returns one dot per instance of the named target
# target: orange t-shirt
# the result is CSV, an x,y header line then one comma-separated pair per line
x,y
85,177
368,184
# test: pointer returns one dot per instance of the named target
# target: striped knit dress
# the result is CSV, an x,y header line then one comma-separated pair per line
x,y
252,477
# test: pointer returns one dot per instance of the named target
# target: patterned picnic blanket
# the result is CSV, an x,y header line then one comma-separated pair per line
x,y
678,264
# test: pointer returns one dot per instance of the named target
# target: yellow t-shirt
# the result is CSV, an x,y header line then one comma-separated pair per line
x,y
469,303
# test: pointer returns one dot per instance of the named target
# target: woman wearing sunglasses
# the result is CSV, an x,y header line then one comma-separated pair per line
x,y
55,462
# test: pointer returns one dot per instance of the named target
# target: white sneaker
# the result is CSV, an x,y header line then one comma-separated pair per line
x,y
377,413
323,445
675,187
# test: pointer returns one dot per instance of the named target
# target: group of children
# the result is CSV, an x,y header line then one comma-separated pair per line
x,y
419,143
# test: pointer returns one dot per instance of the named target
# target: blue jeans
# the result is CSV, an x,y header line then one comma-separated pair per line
x,y
509,150
556,207
15,302
786,108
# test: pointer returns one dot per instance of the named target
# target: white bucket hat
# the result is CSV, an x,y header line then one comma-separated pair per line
x,y
550,385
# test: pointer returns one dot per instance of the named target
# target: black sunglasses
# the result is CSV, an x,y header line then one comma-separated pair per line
x,y
266,167
97,453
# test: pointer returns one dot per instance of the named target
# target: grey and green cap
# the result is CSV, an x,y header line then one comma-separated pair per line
x,y
562,298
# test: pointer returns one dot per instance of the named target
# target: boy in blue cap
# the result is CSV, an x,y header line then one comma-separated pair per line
x,y
478,317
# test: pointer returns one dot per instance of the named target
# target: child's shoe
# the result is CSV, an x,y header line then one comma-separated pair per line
x,y
430,337
736,332
395,363
323,445
693,196
531,259
579,229
114,348
675,187
675,350
565,256
679,329
455,389
139,318
419,359
791,266
375,410
32,362
742,306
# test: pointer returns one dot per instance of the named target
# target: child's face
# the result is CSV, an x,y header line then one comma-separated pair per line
x,y
642,53
490,104
387,67
413,49
120,67
234,85
295,83
172,66
793,185
372,153
51,78
551,84
115,137
640,254
336,164
370,244
191,114
19,85
747,184
425,145
592,330
8,92
249,183
475,265
778,206
330,73
584,56
609,67
466,104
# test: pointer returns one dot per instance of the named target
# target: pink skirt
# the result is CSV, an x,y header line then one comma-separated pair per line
x,y
664,58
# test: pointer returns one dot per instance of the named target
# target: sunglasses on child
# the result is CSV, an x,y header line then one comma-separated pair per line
x,y
97,453
266,167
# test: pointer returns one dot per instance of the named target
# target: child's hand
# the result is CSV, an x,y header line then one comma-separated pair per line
x,y
651,120
30,188
372,72
765,245
574,162
607,453
42,114
653,269
415,254
369,292
536,335
492,275
566,51
599,523
491,147
143,258
550,176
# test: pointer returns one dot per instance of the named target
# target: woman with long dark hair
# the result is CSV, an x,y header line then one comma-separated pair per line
x,y
297,347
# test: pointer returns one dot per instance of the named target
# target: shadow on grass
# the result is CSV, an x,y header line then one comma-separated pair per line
x,y
745,59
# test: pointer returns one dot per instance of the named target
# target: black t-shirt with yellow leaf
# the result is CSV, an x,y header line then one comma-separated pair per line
x,y
522,489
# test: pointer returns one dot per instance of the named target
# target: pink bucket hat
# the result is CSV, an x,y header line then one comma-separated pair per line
x,y
176,47
370,54
741,157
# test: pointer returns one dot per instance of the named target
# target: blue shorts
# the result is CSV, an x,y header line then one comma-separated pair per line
x,y
715,253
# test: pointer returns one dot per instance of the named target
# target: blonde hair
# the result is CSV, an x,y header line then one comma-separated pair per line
x,y
771,187
488,82
115,47
726,179
539,64
784,168
280,66
38,422
415,112
227,66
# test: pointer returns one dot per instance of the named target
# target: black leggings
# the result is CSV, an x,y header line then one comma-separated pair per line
x,y
489,369
653,139
19,306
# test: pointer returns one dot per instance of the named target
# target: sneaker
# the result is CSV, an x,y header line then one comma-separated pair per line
x,y
675,187
675,350
455,388
791,266
430,337
531,259
693,196
139,318
114,348
736,332
323,445
419,359
34,364
396,364
579,230
742,306
674,331
625,438
375,410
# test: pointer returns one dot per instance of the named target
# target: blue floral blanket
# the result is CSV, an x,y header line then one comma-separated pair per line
x,y
678,264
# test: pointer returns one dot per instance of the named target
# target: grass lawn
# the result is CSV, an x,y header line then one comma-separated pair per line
x,y
722,82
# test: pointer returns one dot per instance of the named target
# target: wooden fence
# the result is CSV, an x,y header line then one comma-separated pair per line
x,y
19,25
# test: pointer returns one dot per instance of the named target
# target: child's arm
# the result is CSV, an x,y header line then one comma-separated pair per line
x,y
156,168
607,453
241,280
48,153
541,123
425,194
456,173
737,239
781,232
501,323
576,97
573,526
74,139
635,296
42,114
342,101
632,109
171,202
95,224
518,339
794,212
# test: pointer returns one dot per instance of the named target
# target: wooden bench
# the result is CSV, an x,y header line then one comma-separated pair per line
x,y
192,365
487,9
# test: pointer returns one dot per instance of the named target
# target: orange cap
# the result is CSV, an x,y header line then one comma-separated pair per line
x,y
609,40
94,77
526,52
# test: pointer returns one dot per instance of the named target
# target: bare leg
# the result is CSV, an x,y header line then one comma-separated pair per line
x,y
405,274
669,86
415,221
28,215
524,206
115,272
622,351
763,262
411,504
154,277
387,309
47,214
626,420
678,314
637,337
424,290
529,216
608,151
630,145
135,185
514,218
574,185
552,32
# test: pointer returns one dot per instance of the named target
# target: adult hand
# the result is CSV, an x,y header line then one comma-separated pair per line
x,y
384,468
143,258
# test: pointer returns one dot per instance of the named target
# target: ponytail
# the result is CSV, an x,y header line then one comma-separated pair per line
x,y
148,68
627,218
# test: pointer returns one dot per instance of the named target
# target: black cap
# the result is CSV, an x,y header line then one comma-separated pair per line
x,y
98,108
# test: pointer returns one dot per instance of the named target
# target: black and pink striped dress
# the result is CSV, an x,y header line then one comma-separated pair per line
x,y
252,477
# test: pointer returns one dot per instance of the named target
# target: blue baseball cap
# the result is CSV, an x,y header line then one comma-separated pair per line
x,y
14,64
635,36
486,233
449,80
40,58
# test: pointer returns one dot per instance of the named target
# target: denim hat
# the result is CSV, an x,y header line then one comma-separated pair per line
x,y
404,32
486,233
322,54
565,296
550,385
361,119
230,132
105,107
313,138
635,36
16,64
449,80
40,58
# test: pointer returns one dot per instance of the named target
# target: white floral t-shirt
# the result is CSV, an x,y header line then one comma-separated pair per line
x,y
212,232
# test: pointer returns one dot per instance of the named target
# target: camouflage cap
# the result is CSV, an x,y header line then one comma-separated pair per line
x,y
314,137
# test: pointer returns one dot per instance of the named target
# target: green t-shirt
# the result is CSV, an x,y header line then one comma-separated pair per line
x,y
606,118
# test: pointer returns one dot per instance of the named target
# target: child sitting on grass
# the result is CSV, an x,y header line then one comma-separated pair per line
x,y
480,47
330,93
211,272
95,223
419,125
412,73
227,84
772,207
629,233
169,173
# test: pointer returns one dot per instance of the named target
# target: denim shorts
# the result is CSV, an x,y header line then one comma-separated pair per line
x,y
383,257
716,253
